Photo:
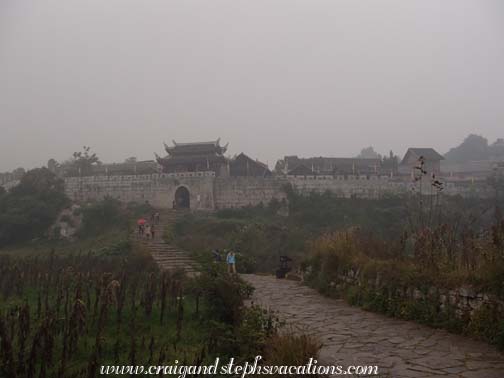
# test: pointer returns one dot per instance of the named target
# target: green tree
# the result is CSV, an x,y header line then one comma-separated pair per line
x,y
18,172
390,164
39,182
102,215
496,181
131,160
30,208
53,165
369,153
82,162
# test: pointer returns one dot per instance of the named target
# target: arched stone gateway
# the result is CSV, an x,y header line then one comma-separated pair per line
x,y
182,198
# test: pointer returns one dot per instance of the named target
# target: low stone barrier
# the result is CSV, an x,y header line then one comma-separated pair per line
x,y
465,301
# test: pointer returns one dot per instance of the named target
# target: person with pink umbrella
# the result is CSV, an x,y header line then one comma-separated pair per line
x,y
141,226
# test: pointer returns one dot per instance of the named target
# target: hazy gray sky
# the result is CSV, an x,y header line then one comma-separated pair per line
x,y
269,77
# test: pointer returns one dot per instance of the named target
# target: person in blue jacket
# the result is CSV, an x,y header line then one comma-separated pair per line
x,y
231,262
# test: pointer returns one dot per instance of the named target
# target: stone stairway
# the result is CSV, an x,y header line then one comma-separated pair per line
x,y
167,256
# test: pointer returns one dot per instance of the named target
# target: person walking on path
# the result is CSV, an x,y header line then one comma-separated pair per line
x,y
147,231
231,261
216,255
141,224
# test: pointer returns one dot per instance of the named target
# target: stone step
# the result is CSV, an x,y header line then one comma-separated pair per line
x,y
160,246
162,249
167,252
168,257
175,261
170,254
155,243
190,272
172,265
187,268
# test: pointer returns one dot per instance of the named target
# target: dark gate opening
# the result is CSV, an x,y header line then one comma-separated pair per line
x,y
182,198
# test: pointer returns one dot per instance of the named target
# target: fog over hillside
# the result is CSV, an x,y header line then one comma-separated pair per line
x,y
271,78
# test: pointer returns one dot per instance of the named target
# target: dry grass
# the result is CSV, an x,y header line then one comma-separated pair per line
x,y
289,348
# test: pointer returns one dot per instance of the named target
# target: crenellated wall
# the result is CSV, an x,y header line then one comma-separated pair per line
x,y
157,189
348,186
378,186
208,192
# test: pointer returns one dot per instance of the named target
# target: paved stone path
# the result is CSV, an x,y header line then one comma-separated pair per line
x,y
352,336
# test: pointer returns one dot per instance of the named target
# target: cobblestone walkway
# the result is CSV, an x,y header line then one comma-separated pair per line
x,y
351,336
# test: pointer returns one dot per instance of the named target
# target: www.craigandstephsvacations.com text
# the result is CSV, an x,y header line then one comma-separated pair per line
x,y
242,370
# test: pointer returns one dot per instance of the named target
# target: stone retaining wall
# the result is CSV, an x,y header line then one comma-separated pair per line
x,y
465,300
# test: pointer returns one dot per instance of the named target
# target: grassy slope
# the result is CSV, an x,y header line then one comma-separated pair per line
x,y
42,247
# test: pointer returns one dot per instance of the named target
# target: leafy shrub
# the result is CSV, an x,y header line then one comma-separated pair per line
x,y
136,209
223,294
487,323
102,215
258,244
255,332
321,212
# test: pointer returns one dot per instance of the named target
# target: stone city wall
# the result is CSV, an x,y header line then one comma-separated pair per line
x,y
376,186
158,189
232,192
208,192
348,186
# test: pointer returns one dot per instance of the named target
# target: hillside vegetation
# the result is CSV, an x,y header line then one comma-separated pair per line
x,y
29,209
261,234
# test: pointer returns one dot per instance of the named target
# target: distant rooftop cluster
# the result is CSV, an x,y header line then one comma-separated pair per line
x,y
210,156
